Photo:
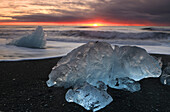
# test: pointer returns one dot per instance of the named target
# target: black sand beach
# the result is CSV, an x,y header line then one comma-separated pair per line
x,y
23,89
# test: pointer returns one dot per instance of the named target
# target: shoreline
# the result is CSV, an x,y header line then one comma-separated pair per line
x,y
23,88
53,57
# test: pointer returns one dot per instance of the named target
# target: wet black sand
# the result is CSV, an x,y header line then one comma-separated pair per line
x,y
23,89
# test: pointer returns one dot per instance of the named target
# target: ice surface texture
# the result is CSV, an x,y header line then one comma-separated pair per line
x,y
165,77
88,96
132,64
90,63
135,63
125,83
34,40
95,65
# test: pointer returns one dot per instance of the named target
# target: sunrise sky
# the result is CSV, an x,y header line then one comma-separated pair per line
x,y
85,12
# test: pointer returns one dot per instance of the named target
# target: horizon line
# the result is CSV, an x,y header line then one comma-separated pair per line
x,y
73,24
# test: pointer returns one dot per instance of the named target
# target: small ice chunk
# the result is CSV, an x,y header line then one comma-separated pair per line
x,y
125,84
165,77
90,63
34,40
89,97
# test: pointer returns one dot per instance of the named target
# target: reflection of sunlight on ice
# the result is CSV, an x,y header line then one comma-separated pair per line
x,y
165,82
141,57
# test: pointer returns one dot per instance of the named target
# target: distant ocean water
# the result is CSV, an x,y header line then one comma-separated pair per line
x,y
62,39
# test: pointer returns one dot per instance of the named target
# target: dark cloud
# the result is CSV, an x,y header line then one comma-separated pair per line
x,y
43,4
79,3
76,12
20,12
116,11
49,18
75,3
134,11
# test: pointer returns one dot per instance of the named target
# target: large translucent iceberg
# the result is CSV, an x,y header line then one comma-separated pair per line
x,y
97,64
97,61
34,40
90,63
88,96
165,77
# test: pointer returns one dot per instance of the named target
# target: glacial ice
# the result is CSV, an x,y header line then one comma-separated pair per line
x,y
125,83
165,77
135,63
34,40
132,64
88,96
97,64
90,63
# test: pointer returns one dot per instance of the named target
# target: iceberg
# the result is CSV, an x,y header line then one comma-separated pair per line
x,y
91,67
135,63
165,77
34,40
132,64
90,63
88,96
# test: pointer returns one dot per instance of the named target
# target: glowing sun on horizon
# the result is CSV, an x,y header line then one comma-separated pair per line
x,y
95,25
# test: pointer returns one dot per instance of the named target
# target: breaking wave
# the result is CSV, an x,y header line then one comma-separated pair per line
x,y
112,35
156,29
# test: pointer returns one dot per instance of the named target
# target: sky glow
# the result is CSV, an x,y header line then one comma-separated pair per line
x,y
85,12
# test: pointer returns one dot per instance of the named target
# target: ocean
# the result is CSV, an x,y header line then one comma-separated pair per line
x,y
62,39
